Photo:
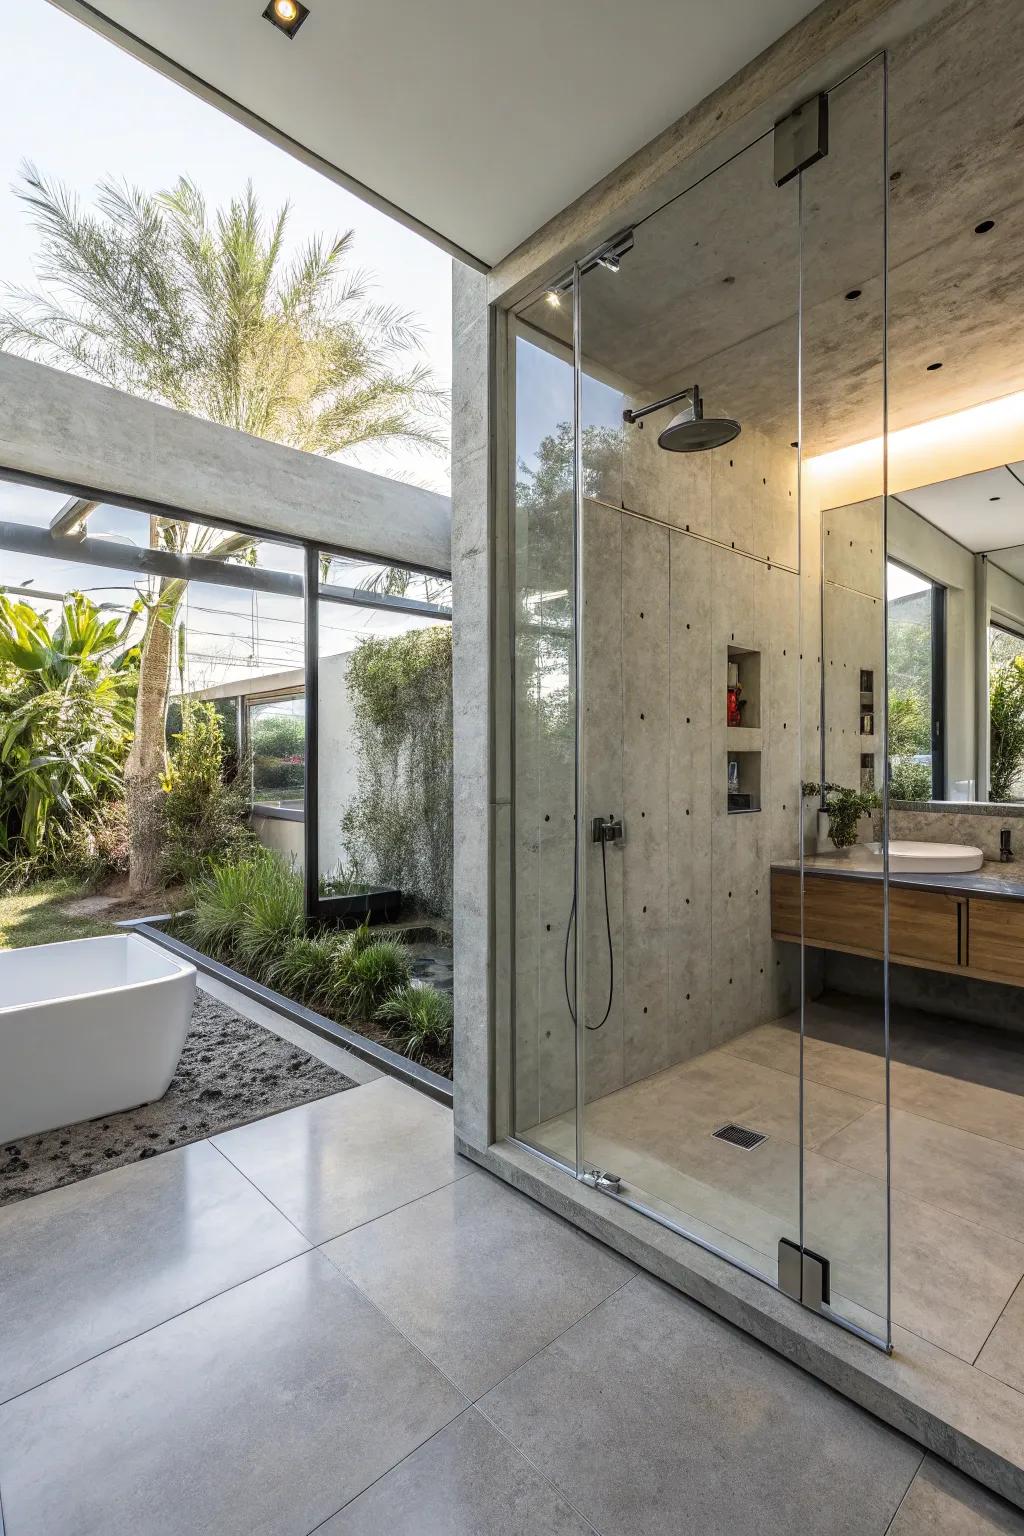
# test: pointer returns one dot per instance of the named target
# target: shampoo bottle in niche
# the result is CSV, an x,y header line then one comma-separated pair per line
x,y
734,697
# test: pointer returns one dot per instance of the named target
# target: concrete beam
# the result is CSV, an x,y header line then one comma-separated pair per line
x,y
833,40
102,444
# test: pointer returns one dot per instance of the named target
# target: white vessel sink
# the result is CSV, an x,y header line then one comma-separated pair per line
x,y
907,858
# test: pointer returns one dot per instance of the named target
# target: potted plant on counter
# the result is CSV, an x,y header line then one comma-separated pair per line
x,y
839,813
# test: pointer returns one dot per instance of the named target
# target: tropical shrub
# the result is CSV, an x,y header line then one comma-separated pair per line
x,y
67,700
205,816
398,827
372,973
420,1018
250,913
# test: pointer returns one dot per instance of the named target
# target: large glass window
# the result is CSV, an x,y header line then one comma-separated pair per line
x,y
916,614
276,734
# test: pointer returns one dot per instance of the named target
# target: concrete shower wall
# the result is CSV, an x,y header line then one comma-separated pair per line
x,y
689,890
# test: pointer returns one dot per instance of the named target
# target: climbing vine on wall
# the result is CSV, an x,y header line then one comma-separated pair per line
x,y
398,827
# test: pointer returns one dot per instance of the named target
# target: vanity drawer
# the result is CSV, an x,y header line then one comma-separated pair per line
x,y
924,926
996,938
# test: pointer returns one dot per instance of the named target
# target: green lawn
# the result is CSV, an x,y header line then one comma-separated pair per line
x,y
32,916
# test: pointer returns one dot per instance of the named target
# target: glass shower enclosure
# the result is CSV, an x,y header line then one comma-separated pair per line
x,y
698,655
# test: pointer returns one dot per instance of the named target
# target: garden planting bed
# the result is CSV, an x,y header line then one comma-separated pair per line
x,y
231,1071
387,985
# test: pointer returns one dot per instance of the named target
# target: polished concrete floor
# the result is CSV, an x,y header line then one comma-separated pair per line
x,y
326,1321
958,1166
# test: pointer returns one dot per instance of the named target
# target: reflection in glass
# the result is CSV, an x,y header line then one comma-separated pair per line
x,y
915,610
276,735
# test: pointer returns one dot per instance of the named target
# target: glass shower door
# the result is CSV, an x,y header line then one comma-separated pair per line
x,y
690,720
843,505
698,630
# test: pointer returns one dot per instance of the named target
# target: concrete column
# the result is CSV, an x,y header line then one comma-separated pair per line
x,y
479,814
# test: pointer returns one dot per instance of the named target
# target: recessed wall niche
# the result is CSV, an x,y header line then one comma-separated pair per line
x,y
743,688
744,773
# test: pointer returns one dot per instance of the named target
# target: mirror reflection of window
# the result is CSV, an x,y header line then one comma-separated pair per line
x,y
1006,713
916,645
277,743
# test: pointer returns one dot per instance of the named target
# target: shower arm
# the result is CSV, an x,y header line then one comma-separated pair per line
x,y
692,394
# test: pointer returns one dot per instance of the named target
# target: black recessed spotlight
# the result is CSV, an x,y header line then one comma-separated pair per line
x,y
286,15
933,366
854,293
995,498
984,227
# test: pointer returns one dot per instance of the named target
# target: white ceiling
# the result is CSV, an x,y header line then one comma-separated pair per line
x,y
478,119
982,512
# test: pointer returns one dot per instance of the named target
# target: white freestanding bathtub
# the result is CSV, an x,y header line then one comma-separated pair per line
x,y
87,1028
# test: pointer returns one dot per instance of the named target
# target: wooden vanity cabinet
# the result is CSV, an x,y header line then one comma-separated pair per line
x,y
926,927
995,939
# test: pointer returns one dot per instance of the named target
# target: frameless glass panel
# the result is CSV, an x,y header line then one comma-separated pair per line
x,y
691,720
843,587
544,1031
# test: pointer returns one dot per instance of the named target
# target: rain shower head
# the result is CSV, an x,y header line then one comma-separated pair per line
x,y
690,431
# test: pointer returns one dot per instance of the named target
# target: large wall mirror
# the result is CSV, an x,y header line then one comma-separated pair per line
x,y
955,608
953,590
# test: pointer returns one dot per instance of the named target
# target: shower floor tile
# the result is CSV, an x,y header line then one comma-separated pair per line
x,y
958,1246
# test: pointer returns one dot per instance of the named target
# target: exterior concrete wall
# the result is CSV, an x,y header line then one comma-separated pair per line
x,y
283,836
95,439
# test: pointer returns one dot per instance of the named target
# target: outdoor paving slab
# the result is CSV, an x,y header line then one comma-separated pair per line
x,y
942,1502
264,1411
478,1276
654,1415
467,1481
91,1264
347,1159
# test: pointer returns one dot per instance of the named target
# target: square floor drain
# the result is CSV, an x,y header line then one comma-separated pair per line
x,y
739,1136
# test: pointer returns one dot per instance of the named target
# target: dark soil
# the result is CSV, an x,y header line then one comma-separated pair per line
x,y
231,1071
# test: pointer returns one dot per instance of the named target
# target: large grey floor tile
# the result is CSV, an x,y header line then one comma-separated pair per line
x,y
653,1415
1003,1354
262,1411
466,1481
943,1503
974,1177
94,1263
478,1276
339,1162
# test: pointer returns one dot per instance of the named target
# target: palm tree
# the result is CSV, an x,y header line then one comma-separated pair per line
x,y
151,295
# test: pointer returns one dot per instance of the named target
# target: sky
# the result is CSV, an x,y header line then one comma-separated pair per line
x,y
83,110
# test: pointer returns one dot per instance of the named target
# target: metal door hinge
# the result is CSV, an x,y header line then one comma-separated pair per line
x,y
804,1275
597,1178
800,139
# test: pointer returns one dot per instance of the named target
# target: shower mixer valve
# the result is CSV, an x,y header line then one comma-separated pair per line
x,y
608,829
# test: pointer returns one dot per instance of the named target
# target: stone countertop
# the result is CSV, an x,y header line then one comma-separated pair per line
x,y
992,879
